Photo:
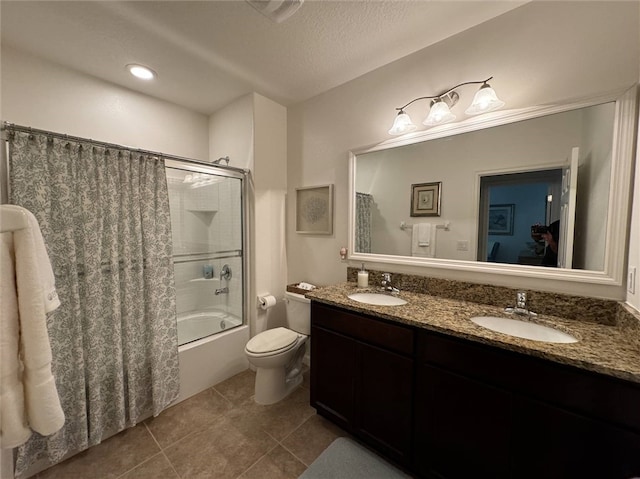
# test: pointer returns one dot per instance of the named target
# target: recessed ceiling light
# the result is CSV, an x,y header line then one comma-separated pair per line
x,y
141,72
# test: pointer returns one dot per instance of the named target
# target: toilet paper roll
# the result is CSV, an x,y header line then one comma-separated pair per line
x,y
267,301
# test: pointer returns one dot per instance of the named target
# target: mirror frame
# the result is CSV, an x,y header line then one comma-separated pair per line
x,y
616,241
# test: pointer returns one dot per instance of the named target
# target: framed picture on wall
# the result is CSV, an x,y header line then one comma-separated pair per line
x,y
501,219
425,199
314,210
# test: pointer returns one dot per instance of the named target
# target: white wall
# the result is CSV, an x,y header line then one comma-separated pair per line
x,y
540,53
252,130
231,133
44,95
270,183
633,298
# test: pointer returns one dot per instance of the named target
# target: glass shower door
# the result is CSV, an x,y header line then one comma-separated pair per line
x,y
207,230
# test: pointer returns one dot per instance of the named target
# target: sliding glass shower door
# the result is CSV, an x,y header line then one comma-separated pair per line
x,y
206,206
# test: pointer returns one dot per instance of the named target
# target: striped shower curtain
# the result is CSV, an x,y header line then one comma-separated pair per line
x,y
104,215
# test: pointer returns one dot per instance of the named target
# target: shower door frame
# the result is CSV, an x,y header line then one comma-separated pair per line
x,y
196,166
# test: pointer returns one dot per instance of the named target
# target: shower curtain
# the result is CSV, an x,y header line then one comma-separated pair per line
x,y
364,203
104,215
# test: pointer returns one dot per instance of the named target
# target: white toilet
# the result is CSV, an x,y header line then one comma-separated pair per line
x,y
277,353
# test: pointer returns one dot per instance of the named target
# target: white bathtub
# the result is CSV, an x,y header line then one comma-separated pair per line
x,y
193,326
212,359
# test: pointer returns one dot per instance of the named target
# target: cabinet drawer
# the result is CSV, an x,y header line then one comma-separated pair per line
x,y
377,332
593,394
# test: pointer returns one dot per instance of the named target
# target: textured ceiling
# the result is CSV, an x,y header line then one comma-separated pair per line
x,y
208,53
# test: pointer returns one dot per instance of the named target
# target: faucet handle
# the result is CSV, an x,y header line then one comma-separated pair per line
x,y
386,278
521,299
225,273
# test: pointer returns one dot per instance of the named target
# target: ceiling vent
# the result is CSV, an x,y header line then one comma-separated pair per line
x,y
276,10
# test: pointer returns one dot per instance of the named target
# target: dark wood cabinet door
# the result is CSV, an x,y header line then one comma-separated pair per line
x,y
333,376
384,400
554,443
462,427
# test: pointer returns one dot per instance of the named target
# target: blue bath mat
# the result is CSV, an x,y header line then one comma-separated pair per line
x,y
346,459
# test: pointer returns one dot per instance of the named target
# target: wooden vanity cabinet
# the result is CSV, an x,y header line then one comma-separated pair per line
x,y
556,443
512,415
462,426
362,377
450,408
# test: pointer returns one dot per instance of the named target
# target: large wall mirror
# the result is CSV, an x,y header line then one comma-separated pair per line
x,y
485,184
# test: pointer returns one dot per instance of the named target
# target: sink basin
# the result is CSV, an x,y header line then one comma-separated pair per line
x,y
377,299
524,329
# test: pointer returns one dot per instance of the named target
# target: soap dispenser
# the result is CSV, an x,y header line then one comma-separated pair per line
x,y
363,278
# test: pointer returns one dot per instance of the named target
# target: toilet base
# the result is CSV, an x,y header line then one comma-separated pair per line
x,y
273,386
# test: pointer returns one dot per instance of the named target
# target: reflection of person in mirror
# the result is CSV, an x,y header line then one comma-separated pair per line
x,y
551,237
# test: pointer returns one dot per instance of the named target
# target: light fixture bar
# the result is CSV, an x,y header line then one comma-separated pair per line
x,y
444,92
484,101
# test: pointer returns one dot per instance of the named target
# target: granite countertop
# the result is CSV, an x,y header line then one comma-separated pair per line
x,y
601,348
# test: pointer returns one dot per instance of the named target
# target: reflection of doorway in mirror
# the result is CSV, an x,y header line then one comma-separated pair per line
x,y
525,194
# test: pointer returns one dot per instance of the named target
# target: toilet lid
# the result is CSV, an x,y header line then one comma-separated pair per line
x,y
272,340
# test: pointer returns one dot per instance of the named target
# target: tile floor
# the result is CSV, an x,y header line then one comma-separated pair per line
x,y
218,433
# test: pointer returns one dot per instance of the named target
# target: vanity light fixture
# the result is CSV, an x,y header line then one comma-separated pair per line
x,y
484,101
140,71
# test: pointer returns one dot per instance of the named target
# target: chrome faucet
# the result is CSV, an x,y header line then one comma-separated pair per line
x,y
386,284
521,306
521,302
225,273
220,160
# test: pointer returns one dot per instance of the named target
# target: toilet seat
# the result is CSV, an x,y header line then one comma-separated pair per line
x,y
272,341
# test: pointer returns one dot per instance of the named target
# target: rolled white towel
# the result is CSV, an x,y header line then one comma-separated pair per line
x,y
306,286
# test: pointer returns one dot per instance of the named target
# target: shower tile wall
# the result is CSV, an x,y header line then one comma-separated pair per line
x,y
206,219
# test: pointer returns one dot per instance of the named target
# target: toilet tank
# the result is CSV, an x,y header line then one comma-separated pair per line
x,y
298,312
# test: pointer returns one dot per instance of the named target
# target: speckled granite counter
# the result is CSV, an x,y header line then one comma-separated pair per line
x,y
603,348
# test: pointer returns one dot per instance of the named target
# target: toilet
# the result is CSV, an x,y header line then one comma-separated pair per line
x,y
277,353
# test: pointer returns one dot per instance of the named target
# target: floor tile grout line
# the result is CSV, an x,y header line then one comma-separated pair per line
x,y
225,413
287,449
293,454
277,443
171,464
152,435
162,451
200,428
147,459
138,465
259,459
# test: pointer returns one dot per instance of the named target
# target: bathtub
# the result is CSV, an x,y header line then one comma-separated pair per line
x,y
212,359
200,324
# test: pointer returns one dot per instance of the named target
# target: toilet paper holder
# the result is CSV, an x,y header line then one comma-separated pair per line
x,y
266,301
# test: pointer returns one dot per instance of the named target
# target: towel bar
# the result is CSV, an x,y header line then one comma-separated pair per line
x,y
443,226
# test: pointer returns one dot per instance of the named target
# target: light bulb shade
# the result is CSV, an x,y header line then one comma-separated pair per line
x,y
439,114
402,124
485,101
